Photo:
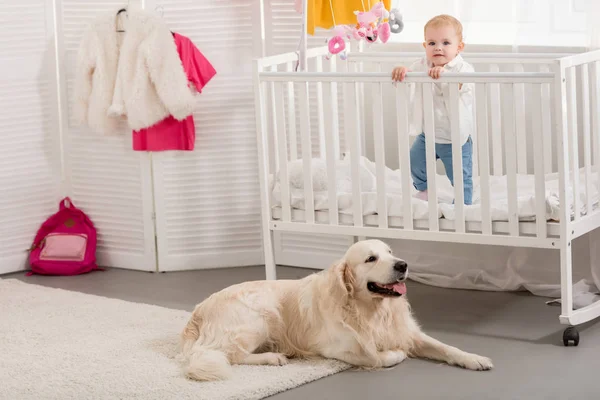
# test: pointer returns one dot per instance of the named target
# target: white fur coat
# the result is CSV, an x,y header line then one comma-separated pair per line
x,y
136,74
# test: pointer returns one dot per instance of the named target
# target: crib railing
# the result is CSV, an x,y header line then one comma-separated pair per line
x,y
283,109
488,62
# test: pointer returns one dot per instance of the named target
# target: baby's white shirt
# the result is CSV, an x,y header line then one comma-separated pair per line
x,y
441,102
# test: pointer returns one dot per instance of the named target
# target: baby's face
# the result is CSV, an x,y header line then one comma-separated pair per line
x,y
442,44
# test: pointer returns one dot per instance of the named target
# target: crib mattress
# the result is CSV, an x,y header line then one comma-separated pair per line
x,y
499,209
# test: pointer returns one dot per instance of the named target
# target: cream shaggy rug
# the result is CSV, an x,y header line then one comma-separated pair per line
x,y
59,344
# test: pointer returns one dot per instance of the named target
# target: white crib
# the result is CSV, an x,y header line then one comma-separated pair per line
x,y
540,193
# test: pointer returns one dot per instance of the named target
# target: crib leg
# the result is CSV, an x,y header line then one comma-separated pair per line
x,y
566,292
269,249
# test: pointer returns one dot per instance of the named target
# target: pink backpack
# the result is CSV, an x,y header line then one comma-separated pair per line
x,y
65,244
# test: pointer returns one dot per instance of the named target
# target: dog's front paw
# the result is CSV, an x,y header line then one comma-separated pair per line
x,y
475,362
391,357
275,359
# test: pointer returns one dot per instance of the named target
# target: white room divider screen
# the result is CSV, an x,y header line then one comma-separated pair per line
x,y
161,211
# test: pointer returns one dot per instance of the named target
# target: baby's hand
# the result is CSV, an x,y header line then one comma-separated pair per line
x,y
399,73
435,72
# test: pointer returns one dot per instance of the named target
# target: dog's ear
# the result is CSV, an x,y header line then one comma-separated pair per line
x,y
343,279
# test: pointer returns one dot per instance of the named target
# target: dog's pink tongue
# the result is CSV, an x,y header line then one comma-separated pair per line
x,y
399,287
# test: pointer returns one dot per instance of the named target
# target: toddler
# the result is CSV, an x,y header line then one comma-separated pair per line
x,y
443,44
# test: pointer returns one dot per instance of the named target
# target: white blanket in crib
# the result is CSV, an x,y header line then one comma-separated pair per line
x,y
526,202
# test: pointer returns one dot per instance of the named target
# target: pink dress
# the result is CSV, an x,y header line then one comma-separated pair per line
x,y
171,134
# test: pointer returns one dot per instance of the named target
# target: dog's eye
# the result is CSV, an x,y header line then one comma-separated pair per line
x,y
371,259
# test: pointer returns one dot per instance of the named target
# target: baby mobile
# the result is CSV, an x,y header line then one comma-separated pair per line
x,y
370,27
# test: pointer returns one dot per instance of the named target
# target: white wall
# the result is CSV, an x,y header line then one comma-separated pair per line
x,y
510,22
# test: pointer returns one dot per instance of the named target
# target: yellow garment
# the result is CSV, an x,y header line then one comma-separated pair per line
x,y
319,12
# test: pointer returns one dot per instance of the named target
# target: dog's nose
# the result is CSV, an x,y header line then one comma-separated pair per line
x,y
400,266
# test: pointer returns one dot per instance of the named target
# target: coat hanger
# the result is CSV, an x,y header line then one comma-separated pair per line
x,y
162,13
156,9
124,9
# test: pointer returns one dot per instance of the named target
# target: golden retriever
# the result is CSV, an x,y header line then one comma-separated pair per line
x,y
355,311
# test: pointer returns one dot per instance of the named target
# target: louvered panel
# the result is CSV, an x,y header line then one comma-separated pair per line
x,y
283,28
309,250
207,200
30,168
75,14
105,177
105,180
23,28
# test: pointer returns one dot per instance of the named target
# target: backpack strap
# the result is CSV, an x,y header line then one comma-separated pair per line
x,y
66,203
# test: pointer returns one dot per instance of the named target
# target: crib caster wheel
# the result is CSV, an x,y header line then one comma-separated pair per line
x,y
571,334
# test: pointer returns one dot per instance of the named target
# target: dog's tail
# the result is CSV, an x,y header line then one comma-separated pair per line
x,y
206,364
203,362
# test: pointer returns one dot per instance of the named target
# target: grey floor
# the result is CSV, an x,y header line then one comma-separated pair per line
x,y
518,331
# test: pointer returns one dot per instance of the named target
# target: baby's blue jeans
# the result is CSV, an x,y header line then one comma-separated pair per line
x,y
443,151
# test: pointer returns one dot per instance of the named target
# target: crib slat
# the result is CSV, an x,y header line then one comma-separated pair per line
x,y
457,162
309,203
284,180
330,154
352,140
361,118
360,101
474,136
292,117
382,212
355,149
508,123
484,155
495,112
332,64
404,153
573,142
547,123
335,118
596,116
273,125
521,130
587,142
320,108
538,159
430,155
